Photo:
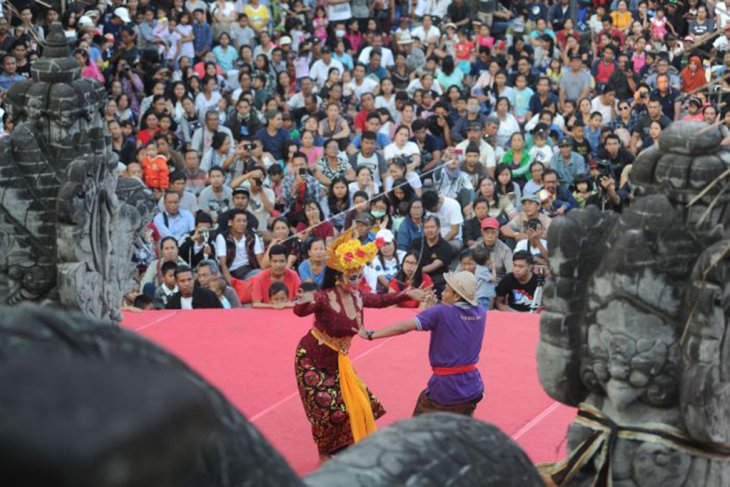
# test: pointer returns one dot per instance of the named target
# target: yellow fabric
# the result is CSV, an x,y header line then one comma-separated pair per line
x,y
354,394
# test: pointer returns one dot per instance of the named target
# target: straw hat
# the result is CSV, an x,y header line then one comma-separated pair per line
x,y
464,284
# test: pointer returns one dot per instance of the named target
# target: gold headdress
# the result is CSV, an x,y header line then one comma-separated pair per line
x,y
347,254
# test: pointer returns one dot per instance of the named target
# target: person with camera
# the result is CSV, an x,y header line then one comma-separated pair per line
x,y
198,245
297,187
516,292
616,154
535,244
556,200
607,198
517,227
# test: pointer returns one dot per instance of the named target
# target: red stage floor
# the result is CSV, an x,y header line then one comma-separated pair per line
x,y
249,355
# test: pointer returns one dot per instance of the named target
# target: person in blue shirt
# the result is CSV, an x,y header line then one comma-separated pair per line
x,y
9,75
203,34
174,222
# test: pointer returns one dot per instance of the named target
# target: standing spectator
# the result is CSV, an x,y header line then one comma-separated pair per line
x,y
203,34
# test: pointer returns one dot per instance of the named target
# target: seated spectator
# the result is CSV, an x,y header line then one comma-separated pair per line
x,y
475,261
500,255
517,227
218,286
188,200
436,253
155,171
190,296
143,303
311,270
334,164
216,198
174,221
152,278
239,250
298,187
534,244
167,286
206,272
277,272
279,297
455,183
516,292
567,164
198,244
472,231
410,276
450,217
387,261
555,200
363,225
241,198
313,225
411,228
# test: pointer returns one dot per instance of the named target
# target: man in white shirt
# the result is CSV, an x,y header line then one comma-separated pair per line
x,y
321,67
306,88
239,251
386,60
174,222
426,31
606,104
360,84
449,213
722,14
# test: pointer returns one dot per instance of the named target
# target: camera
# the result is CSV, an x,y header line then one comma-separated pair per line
x,y
302,171
257,181
605,169
248,146
532,224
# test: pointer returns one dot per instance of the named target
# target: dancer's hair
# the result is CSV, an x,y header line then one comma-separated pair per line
x,y
330,278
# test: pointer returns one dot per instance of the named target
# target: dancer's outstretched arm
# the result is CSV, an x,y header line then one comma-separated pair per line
x,y
400,328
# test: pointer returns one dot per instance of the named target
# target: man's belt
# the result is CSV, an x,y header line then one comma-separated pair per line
x,y
459,369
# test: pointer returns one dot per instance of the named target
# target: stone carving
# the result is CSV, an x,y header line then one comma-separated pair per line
x,y
635,323
65,234
443,449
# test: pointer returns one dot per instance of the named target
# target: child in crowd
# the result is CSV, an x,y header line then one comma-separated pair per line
x,y
155,171
168,287
580,143
144,302
593,131
540,151
475,261
583,189
218,286
279,295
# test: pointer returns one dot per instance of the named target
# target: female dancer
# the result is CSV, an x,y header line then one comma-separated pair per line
x,y
340,408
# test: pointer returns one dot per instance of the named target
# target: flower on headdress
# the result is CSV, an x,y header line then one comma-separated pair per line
x,y
360,252
379,242
348,257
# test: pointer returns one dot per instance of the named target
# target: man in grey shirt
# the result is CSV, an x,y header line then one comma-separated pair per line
x,y
576,83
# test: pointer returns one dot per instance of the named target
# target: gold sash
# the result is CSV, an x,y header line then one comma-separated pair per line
x,y
354,393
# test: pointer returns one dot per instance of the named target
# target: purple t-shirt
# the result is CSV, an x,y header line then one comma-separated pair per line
x,y
456,339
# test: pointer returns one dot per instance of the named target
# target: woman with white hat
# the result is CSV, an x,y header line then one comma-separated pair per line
x,y
457,330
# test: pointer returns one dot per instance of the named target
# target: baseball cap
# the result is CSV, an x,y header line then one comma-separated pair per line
x,y
325,49
531,197
85,21
123,14
450,25
490,222
241,190
565,142
285,40
363,217
386,235
475,125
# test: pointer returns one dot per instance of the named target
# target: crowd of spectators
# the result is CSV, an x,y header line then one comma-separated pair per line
x,y
452,131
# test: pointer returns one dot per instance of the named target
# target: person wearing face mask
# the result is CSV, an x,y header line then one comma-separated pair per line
x,y
458,132
322,364
340,31
455,183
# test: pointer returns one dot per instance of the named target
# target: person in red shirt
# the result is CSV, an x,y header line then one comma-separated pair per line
x,y
367,106
151,127
410,276
277,272
603,68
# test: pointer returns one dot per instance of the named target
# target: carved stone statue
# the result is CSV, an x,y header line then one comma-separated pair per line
x,y
198,438
65,235
634,332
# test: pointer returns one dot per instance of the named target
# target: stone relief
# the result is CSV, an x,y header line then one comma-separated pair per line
x,y
67,231
635,321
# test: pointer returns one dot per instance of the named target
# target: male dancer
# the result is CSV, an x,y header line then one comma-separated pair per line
x,y
457,329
